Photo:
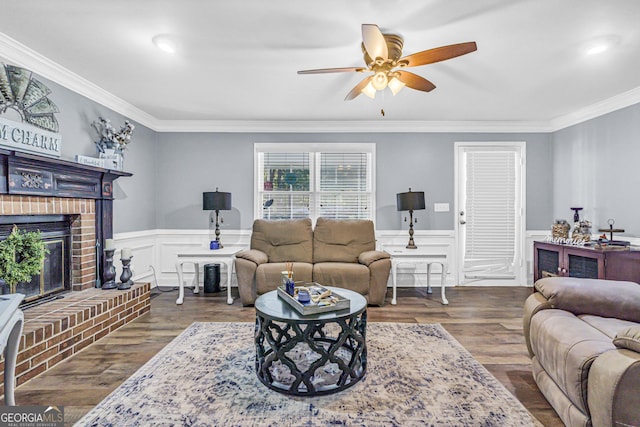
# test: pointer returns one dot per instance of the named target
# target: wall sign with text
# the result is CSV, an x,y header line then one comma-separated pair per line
x,y
27,96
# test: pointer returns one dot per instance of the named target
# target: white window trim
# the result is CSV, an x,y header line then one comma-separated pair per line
x,y
310,147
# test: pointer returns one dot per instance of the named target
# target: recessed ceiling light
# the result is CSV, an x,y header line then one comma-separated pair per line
x,y
597,49
601,44
165,43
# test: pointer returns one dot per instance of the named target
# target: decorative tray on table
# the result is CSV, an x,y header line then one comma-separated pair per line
x,y
322,299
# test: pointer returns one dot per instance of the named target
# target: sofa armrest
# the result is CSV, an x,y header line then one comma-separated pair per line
x,y
369,257
533,304
258,257
606,298
613,384
628,338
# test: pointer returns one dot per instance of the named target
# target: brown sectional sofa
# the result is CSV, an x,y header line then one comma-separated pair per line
x,y
584,339
336,253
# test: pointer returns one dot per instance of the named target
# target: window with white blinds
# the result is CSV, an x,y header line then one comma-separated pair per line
x,y
314,180
491,210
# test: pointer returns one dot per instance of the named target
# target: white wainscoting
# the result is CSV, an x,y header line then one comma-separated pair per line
x,y
532,236
154,252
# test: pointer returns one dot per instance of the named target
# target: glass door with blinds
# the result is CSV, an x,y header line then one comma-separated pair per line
x,y
490,213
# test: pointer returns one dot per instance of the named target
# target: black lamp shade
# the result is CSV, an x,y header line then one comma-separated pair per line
x,y
216,201
410,201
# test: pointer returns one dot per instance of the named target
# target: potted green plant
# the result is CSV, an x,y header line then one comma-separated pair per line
x,y
21,256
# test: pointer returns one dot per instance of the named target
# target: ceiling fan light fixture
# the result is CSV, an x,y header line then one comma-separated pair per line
x,y
165,43
395,85
380,80
369,90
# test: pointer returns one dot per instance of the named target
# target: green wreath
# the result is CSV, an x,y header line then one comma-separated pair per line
x,y
21,256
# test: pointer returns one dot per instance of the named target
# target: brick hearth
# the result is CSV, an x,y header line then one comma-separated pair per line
x,y
59,329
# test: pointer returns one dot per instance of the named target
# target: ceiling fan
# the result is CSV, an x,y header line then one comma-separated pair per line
x,y
382,56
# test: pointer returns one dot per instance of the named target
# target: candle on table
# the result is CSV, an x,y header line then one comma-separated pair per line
x,y
109,245
126,253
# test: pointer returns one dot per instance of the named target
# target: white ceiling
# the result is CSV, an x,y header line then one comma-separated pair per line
x,y
238,59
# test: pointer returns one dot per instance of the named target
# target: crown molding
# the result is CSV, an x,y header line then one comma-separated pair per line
x,y
598,109
17,53
316,126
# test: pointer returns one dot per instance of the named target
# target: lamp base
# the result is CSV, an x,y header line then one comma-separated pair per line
x,y
412,244
218,232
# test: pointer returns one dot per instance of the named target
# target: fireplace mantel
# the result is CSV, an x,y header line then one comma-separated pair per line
x,y
45,179
30,174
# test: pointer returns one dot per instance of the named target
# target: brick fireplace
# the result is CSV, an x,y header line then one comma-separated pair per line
x,y
36,186
82,214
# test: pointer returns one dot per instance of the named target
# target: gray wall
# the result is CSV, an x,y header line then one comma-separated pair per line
x,y
596,165
190,163
134,196
591,164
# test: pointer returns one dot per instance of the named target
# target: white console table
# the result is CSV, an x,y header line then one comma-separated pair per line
x,y
421,255
11,322
196,257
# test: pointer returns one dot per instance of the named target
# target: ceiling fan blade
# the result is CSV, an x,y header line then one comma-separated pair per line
x,y
357,90
374,42
438,54
333,70
414,81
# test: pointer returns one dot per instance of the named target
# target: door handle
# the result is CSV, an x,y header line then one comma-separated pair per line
x,y
462,221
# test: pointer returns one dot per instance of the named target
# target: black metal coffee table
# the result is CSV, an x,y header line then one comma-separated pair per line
x,y
310,355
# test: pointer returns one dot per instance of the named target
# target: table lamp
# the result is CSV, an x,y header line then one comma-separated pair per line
x,y
410,201
216,201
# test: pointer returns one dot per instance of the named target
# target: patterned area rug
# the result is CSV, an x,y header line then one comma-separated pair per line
x,y
417,375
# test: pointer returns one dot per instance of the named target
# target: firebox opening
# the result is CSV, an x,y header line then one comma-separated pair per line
x,y
55,276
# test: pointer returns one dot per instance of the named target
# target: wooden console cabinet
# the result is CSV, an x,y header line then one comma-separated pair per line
x,y
552,259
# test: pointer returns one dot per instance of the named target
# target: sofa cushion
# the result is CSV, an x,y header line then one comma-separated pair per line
x,y
342,275
342,240
606,298
607,325
566,347
284,241
628,338
269,276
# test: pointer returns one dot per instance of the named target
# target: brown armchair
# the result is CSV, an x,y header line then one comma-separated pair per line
x,y
337,253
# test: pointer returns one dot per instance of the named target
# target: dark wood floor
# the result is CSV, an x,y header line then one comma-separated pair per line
x,y
486,321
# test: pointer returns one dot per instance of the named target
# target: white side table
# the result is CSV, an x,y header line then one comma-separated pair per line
x,y
11,322
402,255
224,256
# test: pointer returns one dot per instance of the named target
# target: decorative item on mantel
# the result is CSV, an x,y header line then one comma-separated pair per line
x,y
26,96
112,143
216,201
410,201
